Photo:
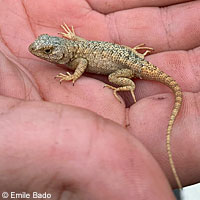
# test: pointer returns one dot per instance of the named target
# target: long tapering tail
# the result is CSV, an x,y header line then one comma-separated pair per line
x,y
177,105
151,72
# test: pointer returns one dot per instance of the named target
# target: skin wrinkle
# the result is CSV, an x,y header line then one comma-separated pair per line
x,y
28,19
11,107
89,11
15,105
5,43
111,24
89,4
163,16
93,136
58,127
117,32
20,71
27,92
127,119
51,182
197,105
191,54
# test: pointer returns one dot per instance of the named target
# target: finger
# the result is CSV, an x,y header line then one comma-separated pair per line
x,y
102,6
54,148
161,28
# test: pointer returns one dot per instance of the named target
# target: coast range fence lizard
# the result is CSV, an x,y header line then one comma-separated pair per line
x,y
120,63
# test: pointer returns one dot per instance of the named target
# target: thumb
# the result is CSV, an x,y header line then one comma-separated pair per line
x,y
71,152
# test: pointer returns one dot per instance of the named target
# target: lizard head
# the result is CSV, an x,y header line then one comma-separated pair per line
x,y
50,48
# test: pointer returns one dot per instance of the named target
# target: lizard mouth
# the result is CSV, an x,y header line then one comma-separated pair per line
x,y
31,48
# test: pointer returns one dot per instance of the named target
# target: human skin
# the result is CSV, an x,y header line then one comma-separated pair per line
x,y
57,138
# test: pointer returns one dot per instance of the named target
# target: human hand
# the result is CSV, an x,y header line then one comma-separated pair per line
x,y
78,149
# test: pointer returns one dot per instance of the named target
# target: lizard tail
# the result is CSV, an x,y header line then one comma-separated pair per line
x,y
177,105
154,73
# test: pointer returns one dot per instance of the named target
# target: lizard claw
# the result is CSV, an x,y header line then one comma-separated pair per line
x,y
68,73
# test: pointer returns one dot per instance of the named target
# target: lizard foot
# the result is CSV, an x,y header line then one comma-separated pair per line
x,y
66,77
141,46
124,88
68,33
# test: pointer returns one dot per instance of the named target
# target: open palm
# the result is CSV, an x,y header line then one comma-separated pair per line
x,y
57,138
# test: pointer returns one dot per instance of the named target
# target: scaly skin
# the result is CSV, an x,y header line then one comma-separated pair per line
x,y
119,62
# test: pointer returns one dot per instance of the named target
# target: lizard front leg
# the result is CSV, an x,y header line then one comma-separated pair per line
x,y
122,77
80,65
70,34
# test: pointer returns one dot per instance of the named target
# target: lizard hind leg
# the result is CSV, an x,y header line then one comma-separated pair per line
x,y
142,47
122,77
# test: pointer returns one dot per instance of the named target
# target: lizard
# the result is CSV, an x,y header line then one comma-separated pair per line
x,y
119,62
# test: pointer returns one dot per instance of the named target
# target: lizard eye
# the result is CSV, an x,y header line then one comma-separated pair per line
x,y
47,51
